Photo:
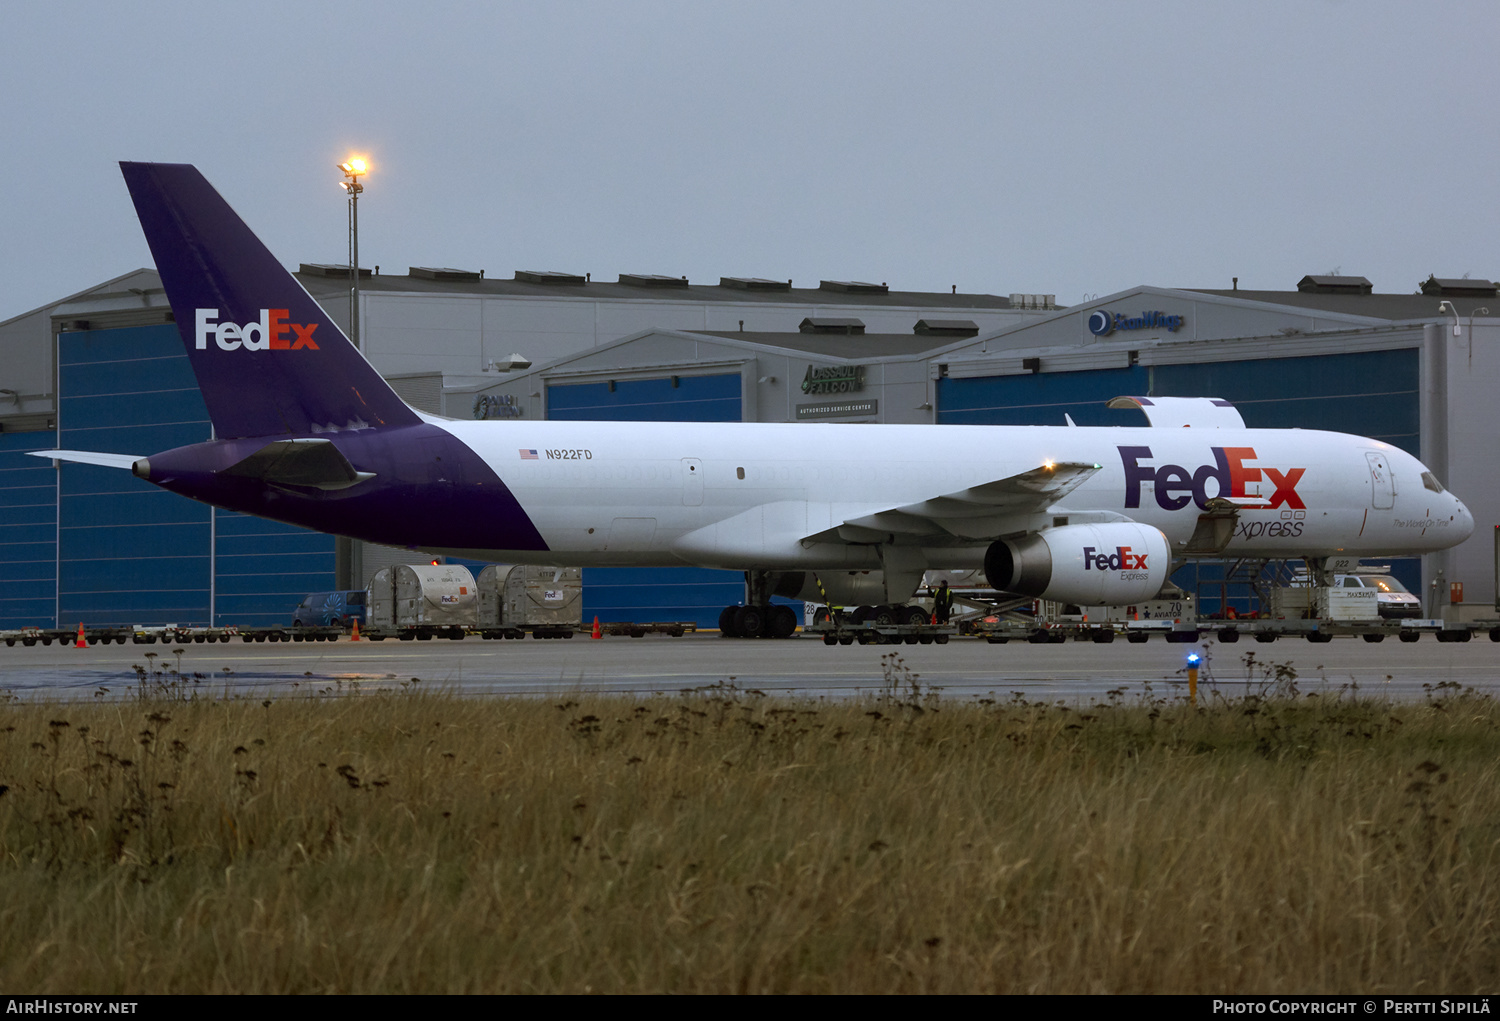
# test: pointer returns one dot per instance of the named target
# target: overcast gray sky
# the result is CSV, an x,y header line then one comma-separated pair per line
x,y
1059,147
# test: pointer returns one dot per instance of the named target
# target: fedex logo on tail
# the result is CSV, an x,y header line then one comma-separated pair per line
x,y
271,332
1122,559
1174,485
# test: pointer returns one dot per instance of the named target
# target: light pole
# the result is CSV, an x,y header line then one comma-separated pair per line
x,y
352,171
347,567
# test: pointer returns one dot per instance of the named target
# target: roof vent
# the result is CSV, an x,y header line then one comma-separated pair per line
x,y
853,287
820,324
329,269
1334,285
755,284
444,273
1464,288
528,276
510,364
946,328
1035,301
652,280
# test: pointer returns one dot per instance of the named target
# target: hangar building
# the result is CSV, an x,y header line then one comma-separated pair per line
x,y
104,369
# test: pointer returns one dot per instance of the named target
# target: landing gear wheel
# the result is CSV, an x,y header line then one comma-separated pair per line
x,y
750,621
861,614
726,622
914,615
886,615
781,622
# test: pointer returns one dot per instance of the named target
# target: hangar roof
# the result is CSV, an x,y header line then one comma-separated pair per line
x,y
835,345
1395,307
322,283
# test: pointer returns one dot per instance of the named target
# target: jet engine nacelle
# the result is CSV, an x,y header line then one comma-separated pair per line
x,y
1092,565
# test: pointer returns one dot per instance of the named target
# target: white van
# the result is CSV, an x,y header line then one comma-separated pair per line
x,y
1394,599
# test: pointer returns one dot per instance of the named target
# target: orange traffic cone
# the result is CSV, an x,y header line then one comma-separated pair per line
x,y
354,636
80,643
597,633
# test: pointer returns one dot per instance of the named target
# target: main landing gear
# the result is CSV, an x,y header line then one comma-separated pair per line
x,y
758,621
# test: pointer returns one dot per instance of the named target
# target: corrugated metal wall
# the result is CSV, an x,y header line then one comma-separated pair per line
x,y
125,551
28,531
128,552
669,399
1369,393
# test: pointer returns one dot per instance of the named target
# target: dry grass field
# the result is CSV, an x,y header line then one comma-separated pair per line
x,y
721,841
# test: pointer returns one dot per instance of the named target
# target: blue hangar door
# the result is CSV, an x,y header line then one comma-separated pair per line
x,y
645,594
128,552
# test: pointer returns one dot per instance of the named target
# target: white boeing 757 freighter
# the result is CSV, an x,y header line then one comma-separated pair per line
x,y
307,432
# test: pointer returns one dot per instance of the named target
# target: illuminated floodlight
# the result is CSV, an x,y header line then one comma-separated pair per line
x,y
353,168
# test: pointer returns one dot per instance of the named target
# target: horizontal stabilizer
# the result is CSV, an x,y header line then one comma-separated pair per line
x,y
126,461
312,463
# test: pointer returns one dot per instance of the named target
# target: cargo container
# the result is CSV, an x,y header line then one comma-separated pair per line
x,y
528,596
423,596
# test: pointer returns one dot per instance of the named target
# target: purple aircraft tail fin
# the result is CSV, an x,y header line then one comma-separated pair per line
x,y
268,359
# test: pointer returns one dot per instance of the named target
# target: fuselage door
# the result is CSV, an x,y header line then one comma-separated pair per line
x,y
692,482
1382,484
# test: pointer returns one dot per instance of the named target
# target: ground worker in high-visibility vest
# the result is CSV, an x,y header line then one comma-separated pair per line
x,y
942,603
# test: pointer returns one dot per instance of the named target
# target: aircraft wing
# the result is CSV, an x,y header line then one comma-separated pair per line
x,y
980,512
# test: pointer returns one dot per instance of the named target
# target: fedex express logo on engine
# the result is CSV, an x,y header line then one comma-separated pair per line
x,y
270,333
1122,559
1175,485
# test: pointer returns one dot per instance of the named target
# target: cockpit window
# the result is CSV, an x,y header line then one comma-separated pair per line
x,y
1430,481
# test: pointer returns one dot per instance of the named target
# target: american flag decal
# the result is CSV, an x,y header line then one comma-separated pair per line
x,y
528,455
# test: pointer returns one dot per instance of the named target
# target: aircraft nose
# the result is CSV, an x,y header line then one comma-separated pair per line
x,y
1462,519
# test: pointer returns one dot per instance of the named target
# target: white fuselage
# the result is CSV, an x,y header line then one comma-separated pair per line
x,y
747,496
